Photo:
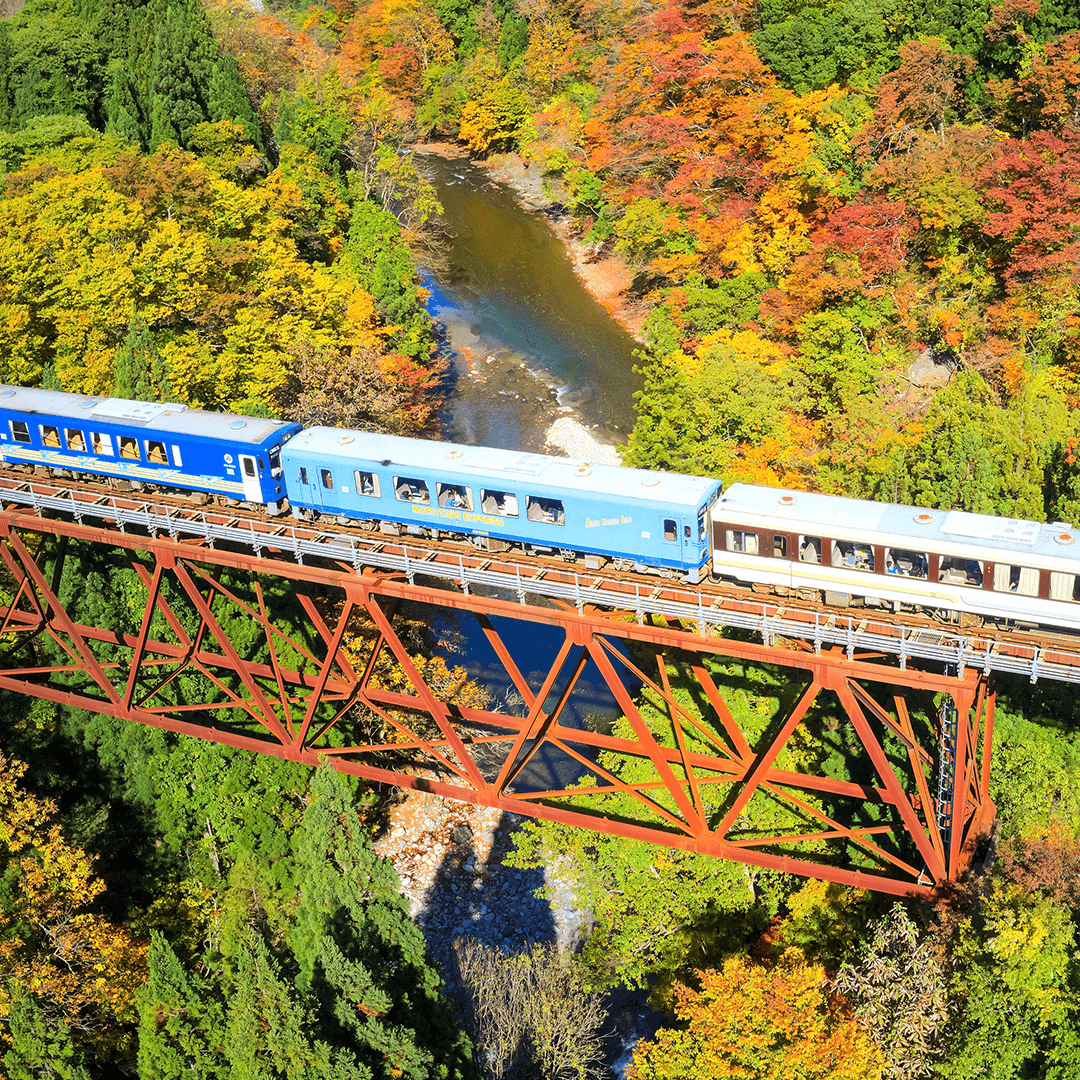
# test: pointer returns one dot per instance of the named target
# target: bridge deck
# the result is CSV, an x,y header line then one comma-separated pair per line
x,y
1032,655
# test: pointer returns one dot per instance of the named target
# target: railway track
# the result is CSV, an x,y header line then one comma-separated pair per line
x,y
809,625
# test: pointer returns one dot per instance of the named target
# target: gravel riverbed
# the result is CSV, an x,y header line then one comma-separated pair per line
x,y
449,858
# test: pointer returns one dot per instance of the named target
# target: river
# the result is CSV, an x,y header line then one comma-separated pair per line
x,y
527,344
525,339
528,347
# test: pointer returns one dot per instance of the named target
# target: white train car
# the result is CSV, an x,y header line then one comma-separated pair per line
x,y
966,568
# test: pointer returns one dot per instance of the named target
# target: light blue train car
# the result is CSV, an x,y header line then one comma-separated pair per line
x,y
146,443
502,498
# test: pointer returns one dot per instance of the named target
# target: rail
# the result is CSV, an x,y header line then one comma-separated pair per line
x,y
770,619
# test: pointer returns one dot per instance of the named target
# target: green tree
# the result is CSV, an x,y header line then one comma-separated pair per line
x,y
834,356
148,71
375,256
811,46
953,465
360,956
646,900
40,1047
140,372
1015,983
181,1020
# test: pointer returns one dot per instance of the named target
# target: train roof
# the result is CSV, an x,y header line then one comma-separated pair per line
x,y
511,466
151,415
803,511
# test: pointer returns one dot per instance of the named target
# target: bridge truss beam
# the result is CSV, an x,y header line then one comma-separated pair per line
x,y
211,654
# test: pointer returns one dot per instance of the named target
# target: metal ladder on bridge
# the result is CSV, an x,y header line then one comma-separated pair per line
x,y
946,781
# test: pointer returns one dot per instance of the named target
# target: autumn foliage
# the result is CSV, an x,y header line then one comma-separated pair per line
x,y
82,970
768,1021
872,189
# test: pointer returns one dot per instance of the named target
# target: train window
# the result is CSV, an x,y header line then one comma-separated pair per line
x,y
686,532
408,489
50,436
367,483
954,571
454,496
129,447
1018,579
275,461
101,444
852,556
779,546
671,530
1064,586
176,458
701,525
906,563
76,440
303,475
327,478
744,542
249,466
19,431
498,502
538,508
810,549
155,452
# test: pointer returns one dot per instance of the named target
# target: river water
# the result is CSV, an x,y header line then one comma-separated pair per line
x,y
527,344
525,339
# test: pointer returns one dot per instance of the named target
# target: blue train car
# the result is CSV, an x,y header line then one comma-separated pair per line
x,y
499,498
146,443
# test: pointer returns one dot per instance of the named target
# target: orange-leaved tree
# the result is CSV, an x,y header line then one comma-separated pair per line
x,y
81,969
754,1021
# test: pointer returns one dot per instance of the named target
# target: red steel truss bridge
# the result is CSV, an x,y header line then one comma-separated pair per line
x,y
855,750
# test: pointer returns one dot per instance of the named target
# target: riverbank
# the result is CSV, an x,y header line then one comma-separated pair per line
x,y
604,274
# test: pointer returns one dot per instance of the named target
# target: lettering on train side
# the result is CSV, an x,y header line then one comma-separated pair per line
x,y
591,523
458,515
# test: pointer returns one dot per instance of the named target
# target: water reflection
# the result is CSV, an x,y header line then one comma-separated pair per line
x,y
508,297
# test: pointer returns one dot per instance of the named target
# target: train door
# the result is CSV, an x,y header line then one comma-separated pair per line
x,y
249,472
671,540
688,541
306,491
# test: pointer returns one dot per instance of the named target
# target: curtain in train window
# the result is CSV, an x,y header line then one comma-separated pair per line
x,y
746,543
1063,586
1023,580
504,503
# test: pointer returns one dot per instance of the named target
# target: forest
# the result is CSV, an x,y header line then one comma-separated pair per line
x,y
853,228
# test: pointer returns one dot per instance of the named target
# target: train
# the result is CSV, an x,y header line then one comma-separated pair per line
x,y
954,566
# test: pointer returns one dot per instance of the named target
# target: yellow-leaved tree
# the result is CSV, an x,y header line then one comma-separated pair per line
x,y
81,969
755,1021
